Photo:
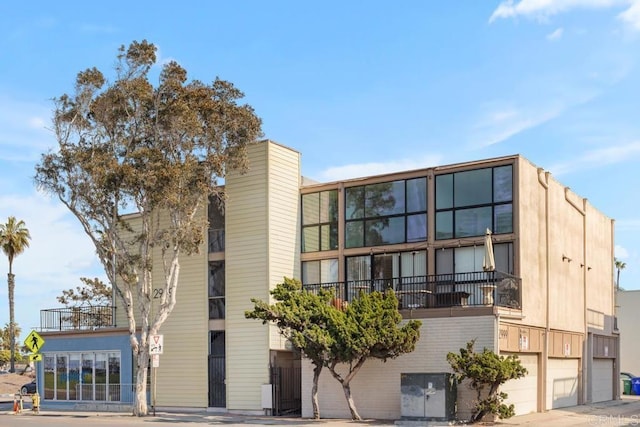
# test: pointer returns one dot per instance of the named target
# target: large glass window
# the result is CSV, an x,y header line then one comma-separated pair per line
x,y
386,213
82,376
470,259
320,221
216,290
470,202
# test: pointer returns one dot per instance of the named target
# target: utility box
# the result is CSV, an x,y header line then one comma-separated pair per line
x,y
428,396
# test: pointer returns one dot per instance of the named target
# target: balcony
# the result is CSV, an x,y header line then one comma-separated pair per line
x,y
479,288
77,318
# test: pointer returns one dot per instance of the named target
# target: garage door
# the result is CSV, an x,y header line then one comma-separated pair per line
x,y
523,392
602,380
562,383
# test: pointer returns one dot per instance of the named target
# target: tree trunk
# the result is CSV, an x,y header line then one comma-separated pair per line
x,y
12,329
352,406
317,368
140,407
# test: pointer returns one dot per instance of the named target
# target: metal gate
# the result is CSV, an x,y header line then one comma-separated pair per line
x,y
217,388
286,391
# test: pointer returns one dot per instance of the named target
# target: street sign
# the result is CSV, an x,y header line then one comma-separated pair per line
x,y
155,360
156,344
35,357
34,342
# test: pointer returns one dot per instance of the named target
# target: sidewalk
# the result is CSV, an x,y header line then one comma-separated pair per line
x,y
624,412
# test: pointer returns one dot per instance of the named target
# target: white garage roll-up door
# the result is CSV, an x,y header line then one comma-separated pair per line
x,y
562,383
523,392
602,380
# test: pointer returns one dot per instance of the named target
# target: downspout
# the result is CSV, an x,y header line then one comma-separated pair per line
x,y
542,379
586,353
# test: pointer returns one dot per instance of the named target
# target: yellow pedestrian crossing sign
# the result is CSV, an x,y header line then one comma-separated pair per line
x,y
34,342
35,357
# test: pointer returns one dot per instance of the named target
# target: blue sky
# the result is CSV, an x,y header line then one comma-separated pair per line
x,y
358,87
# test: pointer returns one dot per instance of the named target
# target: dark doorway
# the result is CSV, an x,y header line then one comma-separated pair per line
x,y
217,370
286,390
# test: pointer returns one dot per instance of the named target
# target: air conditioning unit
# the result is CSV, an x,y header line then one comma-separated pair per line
x,y
428,396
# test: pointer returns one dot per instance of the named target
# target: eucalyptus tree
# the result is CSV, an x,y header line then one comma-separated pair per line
x,y
14,238
155,150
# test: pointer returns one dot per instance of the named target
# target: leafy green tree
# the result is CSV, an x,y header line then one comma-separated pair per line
x,y
369,328
5,336
330,335
486,371
93,292
14,239
129,146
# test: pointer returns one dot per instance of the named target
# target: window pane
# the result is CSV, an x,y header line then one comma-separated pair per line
x,y
444,191
354,201
359,267
311,239
503,218
417,195
354,231
502,184
416,227
310,208
216,279
473,187
49,377
216,308
384,231
114,368
444,261
329,206
469,259
329,270
326,238
87,376
101,376
383,199
473,222
61,377
444,225
503,254
311,272
217,343
74,376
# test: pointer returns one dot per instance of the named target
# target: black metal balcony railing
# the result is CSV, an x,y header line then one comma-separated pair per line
x,y
480,288
77,318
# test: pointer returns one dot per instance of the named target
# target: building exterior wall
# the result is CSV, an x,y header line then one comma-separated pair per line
x,y
376,387
261,240
628,321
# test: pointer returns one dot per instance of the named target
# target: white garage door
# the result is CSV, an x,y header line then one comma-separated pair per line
x,y
523,392
602,380
562,383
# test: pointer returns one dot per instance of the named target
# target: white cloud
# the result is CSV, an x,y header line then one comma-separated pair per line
x,y
358,170
631,16
541,10
556,35
500,123
621,253
598,158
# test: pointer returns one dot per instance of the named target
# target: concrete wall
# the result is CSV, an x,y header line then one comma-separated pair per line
x,y
376,387
628,321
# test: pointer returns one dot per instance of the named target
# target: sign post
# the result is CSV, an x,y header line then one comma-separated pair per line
x,y
34,342
156,346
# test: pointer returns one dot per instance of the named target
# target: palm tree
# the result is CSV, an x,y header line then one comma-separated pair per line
x,y
619,266
14,239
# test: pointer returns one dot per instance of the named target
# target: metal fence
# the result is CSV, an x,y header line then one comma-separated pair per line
x,y
77,318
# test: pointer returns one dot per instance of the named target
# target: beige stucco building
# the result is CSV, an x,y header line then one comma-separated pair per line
x,y
550,299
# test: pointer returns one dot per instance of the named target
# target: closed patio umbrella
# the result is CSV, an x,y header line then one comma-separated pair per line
x,y
488,263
